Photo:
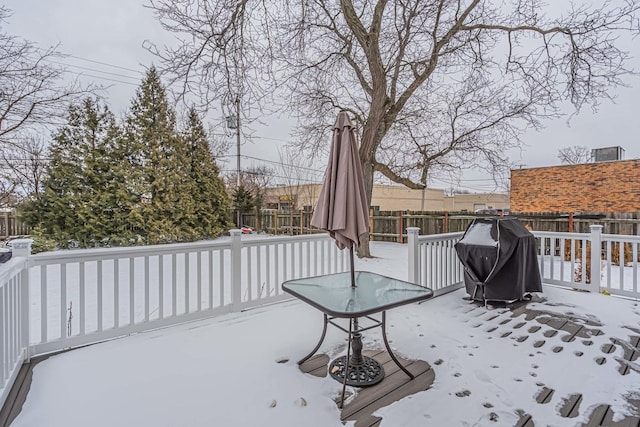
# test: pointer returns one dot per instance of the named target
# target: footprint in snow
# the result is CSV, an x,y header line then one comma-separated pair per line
x,y
463,393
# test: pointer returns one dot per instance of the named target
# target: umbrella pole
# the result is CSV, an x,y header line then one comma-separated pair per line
x,y
353,274
354,369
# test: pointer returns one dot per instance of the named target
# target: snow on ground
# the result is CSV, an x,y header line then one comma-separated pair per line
x,y
240,370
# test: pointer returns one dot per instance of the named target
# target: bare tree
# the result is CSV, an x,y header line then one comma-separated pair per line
x,y
8,187
298,175
574,155
433,85
22,168
253,179
34,96
34,91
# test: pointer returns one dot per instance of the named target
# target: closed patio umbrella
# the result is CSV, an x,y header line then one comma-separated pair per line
x,y
343,211
342,207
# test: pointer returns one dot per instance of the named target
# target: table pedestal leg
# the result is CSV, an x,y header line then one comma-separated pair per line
x,y
354,369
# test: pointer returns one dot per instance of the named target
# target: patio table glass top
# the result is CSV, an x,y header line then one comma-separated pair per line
x,y
334,295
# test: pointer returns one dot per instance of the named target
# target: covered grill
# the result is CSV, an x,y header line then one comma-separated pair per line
x,y
500,260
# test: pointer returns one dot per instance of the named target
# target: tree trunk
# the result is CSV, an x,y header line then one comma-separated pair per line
x,y
367,170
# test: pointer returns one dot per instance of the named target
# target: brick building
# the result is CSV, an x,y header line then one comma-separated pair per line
x,y
589,187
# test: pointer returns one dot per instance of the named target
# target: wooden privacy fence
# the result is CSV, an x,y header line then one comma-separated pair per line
x,y
392,226
11,225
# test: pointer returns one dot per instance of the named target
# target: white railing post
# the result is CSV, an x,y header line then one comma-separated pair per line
x,y
22,248
596,248
236,267
414,254
25,315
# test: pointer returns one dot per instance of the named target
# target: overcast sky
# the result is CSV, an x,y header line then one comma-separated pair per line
x,y
104,39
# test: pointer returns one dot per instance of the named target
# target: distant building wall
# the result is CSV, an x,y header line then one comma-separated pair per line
x,y
397,198
388,198
589,187
471,202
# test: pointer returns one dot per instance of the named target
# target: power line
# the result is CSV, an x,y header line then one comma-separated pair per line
x,y
104,78
276,163
106,64
94,70
288,178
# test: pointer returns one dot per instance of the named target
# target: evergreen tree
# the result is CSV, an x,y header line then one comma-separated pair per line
x,y
243,200
157,158
82,187
211,202
148,184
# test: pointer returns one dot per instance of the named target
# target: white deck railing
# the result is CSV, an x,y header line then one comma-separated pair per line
x,y
433,261
57,300
85,296
14,322
567,259
564,259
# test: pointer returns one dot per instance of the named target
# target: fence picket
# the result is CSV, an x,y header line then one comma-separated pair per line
x,y
116,293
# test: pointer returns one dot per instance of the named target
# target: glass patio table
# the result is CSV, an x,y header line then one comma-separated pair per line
x,y
373,293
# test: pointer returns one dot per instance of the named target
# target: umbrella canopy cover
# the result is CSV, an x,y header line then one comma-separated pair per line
x,y
342,207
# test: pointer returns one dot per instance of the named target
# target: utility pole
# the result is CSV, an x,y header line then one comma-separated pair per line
x,y
238,143
238,150
234,123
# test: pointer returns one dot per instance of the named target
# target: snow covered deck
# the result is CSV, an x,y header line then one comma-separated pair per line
x,y
551,361
566,358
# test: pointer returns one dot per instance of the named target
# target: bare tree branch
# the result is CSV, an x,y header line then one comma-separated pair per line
x,y
34,92
433,85
574,155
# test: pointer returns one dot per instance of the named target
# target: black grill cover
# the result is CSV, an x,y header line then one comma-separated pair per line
x,y
500,259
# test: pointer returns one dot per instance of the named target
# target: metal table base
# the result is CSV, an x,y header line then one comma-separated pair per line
x,y
354,369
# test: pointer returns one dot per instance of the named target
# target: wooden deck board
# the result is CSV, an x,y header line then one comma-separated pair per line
x,y
545,395
597,416
394,380
316,365
18,394
626,422
16,397
525,421
573,330
407,387
395,386
571,406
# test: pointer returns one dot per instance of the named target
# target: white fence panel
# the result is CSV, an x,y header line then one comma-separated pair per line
x,y
269,262
620,265
85,296
562,259
14,318
433,261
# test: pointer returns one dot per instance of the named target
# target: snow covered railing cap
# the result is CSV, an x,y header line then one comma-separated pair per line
x,y
21,247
